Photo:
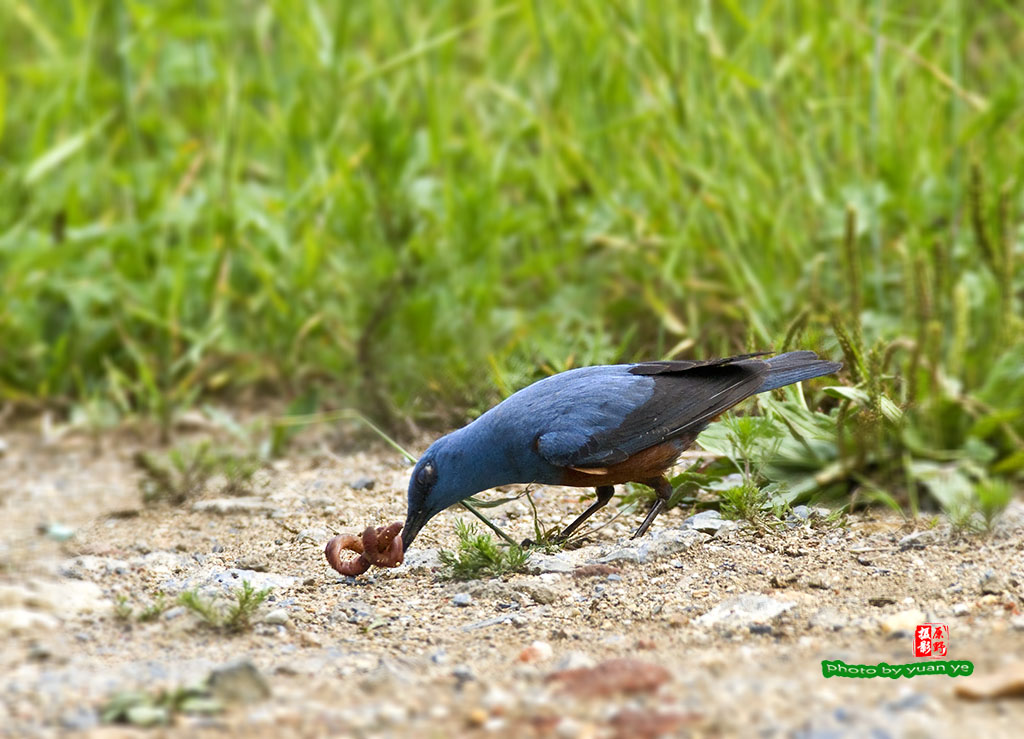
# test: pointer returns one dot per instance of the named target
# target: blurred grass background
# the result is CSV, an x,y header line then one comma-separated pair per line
x,y
417,208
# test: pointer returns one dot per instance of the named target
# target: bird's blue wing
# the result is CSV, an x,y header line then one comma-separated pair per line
x,y
606,417
565,411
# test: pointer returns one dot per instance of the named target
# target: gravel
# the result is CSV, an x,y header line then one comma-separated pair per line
x,y
740,620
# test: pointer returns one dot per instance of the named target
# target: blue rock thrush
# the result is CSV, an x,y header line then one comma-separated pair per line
x,y
595,426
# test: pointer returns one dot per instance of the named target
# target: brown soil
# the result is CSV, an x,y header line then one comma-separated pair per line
x,y
390,653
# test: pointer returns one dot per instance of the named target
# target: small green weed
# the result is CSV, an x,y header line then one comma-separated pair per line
x,y
992,496
480,556
186,471
124,611
235,618
155,609
978,510
744,502
141,709
546,539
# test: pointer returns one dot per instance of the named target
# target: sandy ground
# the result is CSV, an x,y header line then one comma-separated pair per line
x,y
726,632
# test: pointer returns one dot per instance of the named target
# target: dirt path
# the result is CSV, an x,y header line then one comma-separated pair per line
x,y
727,631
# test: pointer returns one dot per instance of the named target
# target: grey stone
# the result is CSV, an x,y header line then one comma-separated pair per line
x,y
707,521
574,660
744,610
492,590
233,578
226,506
541,594
238,682
23,622
462,599
828,619
463,674
506,618
902,623
540,563
918,539
63,597
314,535
223,582
254,562
363,483
663,543
173,613
80,718
993,583
353,612
630,553
421,560
277,617
909,702
666,542
727,528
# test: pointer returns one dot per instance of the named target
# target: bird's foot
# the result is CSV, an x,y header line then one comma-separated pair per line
x,y
652,514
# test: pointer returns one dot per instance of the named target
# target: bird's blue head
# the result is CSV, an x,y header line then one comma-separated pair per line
x,y
452,469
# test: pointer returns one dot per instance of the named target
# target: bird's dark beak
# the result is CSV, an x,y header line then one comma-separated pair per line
x,y
414,521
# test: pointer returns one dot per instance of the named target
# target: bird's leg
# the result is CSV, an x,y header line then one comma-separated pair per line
x,y
604,494
663,489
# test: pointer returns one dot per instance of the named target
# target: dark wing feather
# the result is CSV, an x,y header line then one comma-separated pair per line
x,y
685,400
674,366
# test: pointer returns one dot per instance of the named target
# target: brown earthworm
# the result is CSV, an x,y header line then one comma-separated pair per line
x,y
381,546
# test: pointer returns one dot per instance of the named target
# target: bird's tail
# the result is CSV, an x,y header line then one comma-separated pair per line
x,y
794,367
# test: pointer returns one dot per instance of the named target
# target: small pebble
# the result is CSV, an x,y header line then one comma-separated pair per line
x,y
238,682
477,717
462,599
278,616
463,674
706,521
902,623
993,584
538,651
497,701
574,661
917,540
172,613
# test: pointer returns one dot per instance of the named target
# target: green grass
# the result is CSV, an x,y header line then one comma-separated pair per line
x,y
187,470
479,555
124,611
418,208
236,616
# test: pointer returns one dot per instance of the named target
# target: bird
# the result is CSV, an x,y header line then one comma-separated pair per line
x,y
596,426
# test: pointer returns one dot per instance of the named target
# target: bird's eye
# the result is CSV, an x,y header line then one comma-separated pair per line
x,y
427,475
